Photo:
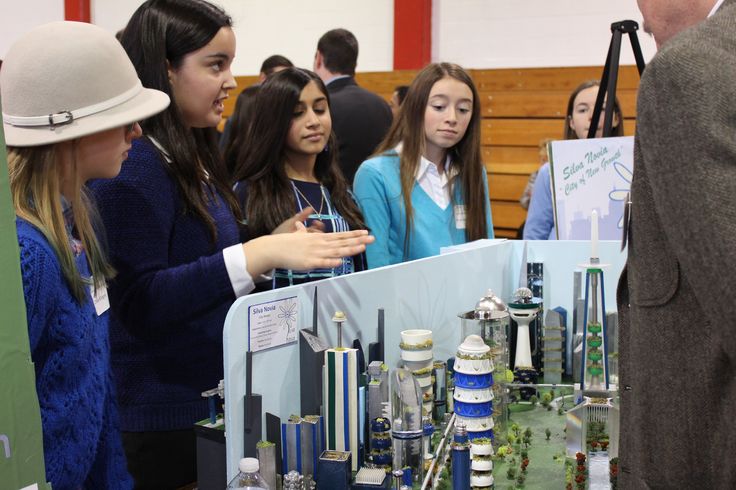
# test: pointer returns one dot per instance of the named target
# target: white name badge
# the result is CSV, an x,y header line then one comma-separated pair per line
x,y
459,216
100,298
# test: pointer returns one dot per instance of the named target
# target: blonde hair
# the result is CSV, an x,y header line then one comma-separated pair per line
x,y
35,186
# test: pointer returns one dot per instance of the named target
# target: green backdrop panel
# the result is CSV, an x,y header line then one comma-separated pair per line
x,y
21,442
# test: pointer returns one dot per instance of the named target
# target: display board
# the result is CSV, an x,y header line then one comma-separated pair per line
x,y
587,175
21,442
427,293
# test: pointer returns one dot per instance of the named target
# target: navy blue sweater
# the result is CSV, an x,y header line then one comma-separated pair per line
x,y
170,297
70,352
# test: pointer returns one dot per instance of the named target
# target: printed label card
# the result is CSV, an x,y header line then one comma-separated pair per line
x,y
272,324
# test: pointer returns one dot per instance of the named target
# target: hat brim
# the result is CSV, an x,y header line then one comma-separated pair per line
x,y
143,105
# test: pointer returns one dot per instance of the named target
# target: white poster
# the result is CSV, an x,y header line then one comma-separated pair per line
x,y
272,324
587,175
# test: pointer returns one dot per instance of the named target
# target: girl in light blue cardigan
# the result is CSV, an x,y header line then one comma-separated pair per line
x,y
427,186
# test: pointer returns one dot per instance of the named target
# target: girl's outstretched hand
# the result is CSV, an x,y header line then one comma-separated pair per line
x,y
301,250
289,225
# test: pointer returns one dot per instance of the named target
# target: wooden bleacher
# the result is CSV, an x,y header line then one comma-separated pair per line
x,y
520,108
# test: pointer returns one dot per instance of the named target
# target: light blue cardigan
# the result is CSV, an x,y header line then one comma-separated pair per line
x,y
377,187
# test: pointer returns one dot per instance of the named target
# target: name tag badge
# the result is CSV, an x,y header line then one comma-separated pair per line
x,y
100,298
459,216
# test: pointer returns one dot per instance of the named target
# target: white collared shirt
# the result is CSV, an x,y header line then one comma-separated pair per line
x,y
715,7
436,186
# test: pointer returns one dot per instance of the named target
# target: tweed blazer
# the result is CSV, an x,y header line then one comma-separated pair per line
x,y
678,313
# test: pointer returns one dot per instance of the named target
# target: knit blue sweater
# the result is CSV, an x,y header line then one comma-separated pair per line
x,y
70,351
377,187
170,297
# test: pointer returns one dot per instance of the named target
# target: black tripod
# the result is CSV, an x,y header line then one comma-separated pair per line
x,y
607,90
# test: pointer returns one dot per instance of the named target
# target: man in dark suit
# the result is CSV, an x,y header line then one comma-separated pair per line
x,y
360,118
676,295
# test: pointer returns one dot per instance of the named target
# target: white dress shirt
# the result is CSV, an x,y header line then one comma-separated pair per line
x,y
437,186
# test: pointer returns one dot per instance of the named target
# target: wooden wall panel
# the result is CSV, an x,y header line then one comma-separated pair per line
x,y
510,154
518,132
505,233
565,79
511,168
542,104
506,187
528,132
384,83
507,214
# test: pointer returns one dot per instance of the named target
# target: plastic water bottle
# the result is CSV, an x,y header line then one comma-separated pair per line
x,y
248,476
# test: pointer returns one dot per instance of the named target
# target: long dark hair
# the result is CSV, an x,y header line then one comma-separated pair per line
x,y
408,129
165,31
242,115
261,160
569,133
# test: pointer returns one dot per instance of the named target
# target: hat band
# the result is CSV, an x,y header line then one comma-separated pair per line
x,y
66,117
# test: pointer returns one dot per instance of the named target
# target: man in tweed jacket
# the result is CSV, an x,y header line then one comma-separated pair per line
x,y
677,294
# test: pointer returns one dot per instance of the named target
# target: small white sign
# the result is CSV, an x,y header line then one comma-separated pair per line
x,y
587,175
272,324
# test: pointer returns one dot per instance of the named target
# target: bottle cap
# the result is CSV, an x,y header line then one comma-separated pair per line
x,y
248,465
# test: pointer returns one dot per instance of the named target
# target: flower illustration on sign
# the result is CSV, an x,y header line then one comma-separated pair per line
x,y
287,317
621,194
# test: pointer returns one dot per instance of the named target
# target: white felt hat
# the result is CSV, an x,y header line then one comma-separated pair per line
x,y
64,80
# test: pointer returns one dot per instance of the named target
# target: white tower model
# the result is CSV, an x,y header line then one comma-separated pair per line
x,y
523,310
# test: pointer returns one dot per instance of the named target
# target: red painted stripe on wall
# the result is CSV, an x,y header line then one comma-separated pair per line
x,y
78,10
412,34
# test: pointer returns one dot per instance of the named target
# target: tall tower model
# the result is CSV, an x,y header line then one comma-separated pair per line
x,y
340,386
594,422
523,310
594,375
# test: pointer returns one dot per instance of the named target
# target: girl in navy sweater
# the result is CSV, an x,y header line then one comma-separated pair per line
x,y
71,99
172,223
287,162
